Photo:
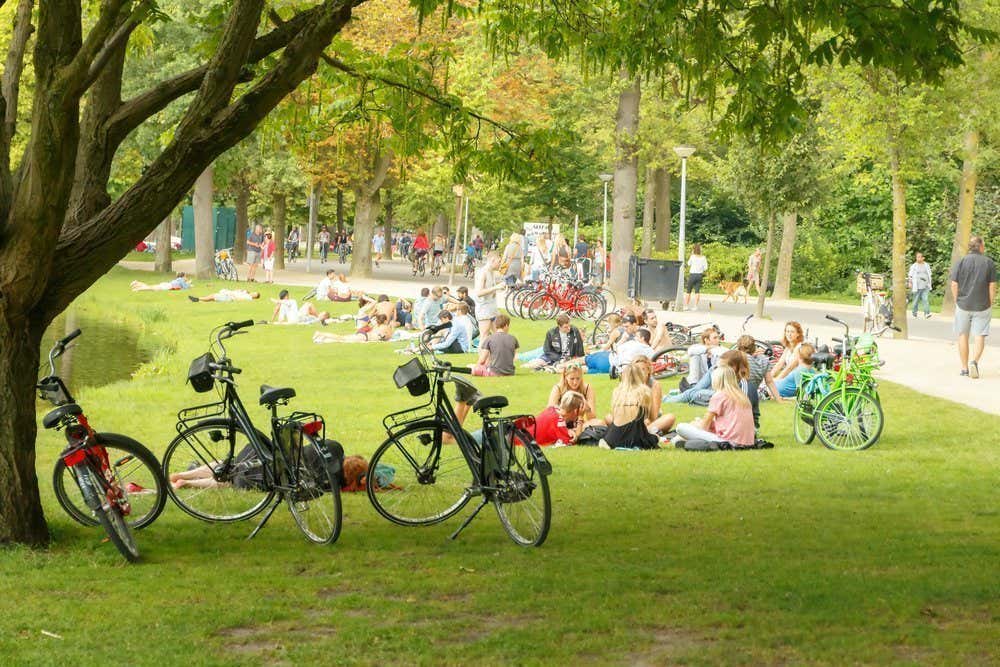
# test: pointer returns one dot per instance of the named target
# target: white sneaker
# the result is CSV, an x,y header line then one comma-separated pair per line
x,y
603,444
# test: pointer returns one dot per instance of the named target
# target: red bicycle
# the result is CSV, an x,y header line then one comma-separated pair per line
x,y
567,296
109,470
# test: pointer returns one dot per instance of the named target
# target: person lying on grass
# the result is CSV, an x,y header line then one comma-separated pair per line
x,y
497,352
178,283
375,330
631,423
287,311
227,295
729,417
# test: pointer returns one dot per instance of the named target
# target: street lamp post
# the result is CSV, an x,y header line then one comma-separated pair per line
x,y
604,260
459,191
683,152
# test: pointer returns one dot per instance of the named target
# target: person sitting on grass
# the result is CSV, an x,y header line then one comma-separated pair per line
x,y
759,374
623,330
376,330
419,306
287,311
701,392
572,380
561,424
562,343
702,357
656,389
729,417
791,340
324,289
456,341
227,295
632,349
630,423
340,290
461,317
404,313
788,385
178,283
497,352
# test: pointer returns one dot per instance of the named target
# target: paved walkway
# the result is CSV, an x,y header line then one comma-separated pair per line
x,y
927,362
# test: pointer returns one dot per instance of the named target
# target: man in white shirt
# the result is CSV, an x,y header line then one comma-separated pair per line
x,y
627,352
919,279
324,287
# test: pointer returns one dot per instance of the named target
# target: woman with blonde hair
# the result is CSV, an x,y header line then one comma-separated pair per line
x,y
513,259
629,424
729,417
484,291
572,380
646,367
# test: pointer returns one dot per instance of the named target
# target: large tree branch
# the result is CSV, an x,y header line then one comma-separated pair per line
x,y
116,42
10,85
136,110
97,38
90,249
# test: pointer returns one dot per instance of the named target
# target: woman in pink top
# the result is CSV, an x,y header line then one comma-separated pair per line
x,y
729,417
267,249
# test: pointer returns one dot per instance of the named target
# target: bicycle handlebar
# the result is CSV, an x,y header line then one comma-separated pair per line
x,y
67,339
834,319
236,326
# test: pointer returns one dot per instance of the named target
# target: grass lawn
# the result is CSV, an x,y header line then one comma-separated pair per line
x,y
792,555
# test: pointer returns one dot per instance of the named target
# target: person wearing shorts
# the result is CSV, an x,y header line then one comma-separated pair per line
x,y
254,242
974,287
697,266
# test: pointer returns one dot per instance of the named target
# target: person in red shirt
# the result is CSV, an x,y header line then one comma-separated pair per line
x,y
560,424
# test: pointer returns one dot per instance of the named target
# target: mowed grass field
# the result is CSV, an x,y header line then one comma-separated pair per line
x,y
795,555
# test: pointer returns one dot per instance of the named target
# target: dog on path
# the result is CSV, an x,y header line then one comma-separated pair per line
x,y
733,290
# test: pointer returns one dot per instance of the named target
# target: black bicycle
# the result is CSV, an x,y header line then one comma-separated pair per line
x,y
221,468
102,479
430,467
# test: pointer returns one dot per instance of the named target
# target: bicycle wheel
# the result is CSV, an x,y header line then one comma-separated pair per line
x,y
108,514
138,475
543,307
848,420
602,330
609,299
670,362
521,497
525,295
803,428
315,502
589,306
223,478
423,479
231,272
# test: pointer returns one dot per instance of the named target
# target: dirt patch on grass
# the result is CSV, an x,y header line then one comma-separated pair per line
x,y
667,645
269,641
476,627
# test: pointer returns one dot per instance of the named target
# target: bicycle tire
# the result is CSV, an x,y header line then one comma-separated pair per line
x,y
525,295
108,515
315,504
670,362
543,307
521,497
198,446
430,479
803,428
848,420
231,272
609,299
139,477
602,330
589,306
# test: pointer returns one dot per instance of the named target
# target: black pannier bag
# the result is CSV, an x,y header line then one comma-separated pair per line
x,y
412,376
200,374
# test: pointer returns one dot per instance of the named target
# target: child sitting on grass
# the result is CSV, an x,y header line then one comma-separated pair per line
x,y
729,417
788,386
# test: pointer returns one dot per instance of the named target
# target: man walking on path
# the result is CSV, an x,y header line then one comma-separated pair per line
x,y
919,278
974,286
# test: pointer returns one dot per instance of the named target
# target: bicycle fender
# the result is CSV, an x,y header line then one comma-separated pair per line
x,y
542,463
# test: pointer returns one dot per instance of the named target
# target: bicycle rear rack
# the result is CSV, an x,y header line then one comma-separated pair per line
x,y
396,420
189,416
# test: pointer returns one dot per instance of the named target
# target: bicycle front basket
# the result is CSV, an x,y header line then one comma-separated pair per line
x,y
412,376
200,374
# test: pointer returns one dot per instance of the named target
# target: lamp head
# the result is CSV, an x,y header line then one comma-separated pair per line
x,y
606,177
684,151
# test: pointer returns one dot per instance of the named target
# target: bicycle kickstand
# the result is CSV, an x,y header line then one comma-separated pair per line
x,y
470,518
267,516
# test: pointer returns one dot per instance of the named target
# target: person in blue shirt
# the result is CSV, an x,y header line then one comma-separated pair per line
x,y
457,340
788,386
433,306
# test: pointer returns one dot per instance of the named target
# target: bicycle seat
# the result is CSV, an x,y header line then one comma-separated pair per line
x,y
271,395
490,403
822,358
53,418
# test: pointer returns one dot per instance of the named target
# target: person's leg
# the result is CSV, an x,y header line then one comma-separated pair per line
x,y
689,394
688,431
485,328
662,424
979,343
927,301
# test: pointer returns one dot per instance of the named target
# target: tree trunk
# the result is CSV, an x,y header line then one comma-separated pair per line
x,y
648,212
204,227
765,271
242,222
966,205
662,212
387,227
898,240
366,210
440,225
340,211
626,185
783,279
164,262
21,516
280,205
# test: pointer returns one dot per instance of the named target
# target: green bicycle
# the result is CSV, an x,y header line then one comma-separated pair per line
x,y
840,402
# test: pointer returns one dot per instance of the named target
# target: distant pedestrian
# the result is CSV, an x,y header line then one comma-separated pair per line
x,y
254,242
582,249
753,271
697,266
378,245
974,286
267,250
919,279
324,243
